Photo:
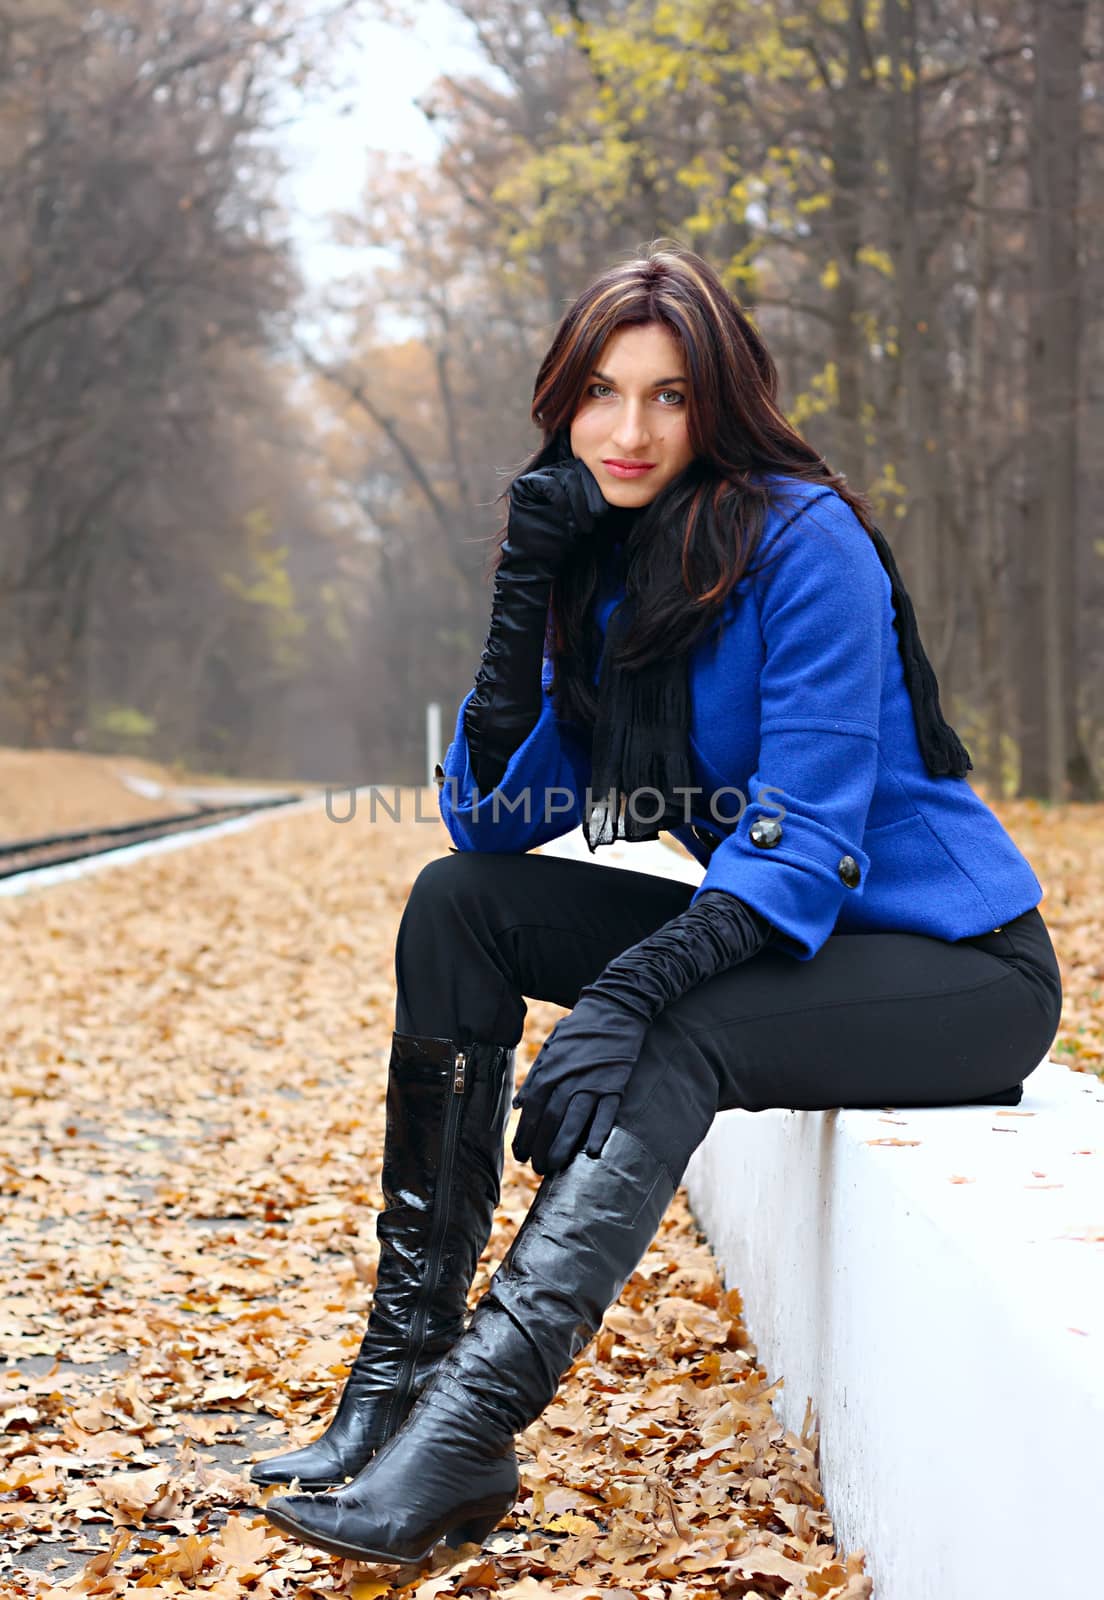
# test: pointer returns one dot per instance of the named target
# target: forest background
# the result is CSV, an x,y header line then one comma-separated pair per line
x,y
249,528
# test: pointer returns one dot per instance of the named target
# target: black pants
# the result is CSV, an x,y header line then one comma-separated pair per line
x,y
878,1019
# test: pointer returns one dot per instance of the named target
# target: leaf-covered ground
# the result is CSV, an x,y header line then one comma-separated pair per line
x,y
193,1059
56,791
53,791
193,1053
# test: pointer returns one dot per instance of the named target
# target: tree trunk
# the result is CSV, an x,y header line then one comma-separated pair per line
x,y
1053,761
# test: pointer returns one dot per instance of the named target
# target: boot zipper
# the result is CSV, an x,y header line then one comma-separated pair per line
x,y
437,1239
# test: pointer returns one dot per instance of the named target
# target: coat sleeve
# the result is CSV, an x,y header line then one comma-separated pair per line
x,y
539,797
796,851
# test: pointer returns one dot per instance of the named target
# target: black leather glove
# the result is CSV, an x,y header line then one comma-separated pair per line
x,y
550,509
574,1087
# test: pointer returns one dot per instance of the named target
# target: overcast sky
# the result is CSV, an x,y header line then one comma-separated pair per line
x,y
372,108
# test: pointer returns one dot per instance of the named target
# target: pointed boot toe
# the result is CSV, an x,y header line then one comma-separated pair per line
x,y
317,1519
438,1478
316,1465
402,1504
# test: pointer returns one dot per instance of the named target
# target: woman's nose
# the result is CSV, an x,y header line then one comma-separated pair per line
x,y
631,430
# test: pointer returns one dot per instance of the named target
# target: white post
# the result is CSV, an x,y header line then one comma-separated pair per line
x,y
433,739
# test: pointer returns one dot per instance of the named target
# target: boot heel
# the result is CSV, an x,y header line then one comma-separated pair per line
x,y
475,1530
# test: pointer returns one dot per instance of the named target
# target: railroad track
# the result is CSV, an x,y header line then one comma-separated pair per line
x,y
54,849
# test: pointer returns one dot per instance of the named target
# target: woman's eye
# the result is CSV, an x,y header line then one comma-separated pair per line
x,y
680,398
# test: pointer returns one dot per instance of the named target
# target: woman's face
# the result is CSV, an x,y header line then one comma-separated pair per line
x,y
633,411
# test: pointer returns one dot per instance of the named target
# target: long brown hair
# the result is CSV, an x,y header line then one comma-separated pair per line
x,y
694,542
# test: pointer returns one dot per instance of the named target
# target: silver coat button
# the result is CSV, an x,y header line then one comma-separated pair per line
x,y
848,870
765,832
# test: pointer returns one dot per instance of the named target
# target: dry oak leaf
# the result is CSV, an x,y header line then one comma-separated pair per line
x,y
372,1588
568,1522
839,1582
188,1557
763,1561
529,1589
558,1498
244,1544
206,1430
570,1553
96,1576
432,1587
136,1495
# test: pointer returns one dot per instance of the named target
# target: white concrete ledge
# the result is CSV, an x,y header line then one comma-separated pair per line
x,y
941,1301
950,1333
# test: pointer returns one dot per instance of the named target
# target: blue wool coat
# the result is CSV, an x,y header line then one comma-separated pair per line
x,y
800,716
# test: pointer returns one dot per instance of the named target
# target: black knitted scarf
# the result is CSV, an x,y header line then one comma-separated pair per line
x,y
641,733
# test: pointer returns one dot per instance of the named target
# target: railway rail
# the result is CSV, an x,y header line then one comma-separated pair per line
x,y
55,849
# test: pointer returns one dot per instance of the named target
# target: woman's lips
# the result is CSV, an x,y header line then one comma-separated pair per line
x,y
636,471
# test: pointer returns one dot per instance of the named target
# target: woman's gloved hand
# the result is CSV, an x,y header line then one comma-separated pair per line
x,y
575,1085
551,508
573,1090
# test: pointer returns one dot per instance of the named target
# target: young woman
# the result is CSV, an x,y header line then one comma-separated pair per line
x,y
695,628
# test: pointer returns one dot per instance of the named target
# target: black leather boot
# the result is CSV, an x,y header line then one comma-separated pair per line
x,y
447,1109
450,1472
